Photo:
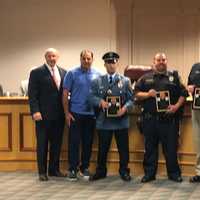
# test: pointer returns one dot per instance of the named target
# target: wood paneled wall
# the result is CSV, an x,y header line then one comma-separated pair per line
x,y
147,27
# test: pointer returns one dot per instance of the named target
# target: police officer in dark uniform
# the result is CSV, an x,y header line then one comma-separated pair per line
x,y
193,84
112,95
160,124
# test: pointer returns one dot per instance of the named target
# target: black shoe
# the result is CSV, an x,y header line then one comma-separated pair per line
x,y
176,178
43,177
146,179
57,174
195,179
125,177
97,176
72,176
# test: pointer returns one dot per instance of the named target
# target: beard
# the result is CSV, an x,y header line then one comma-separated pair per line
x,y
161,68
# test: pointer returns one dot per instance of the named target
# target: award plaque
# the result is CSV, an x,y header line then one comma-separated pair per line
x,y
114,104
196,98
162,100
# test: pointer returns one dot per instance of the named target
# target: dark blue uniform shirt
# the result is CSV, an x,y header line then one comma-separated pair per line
x,y
194,76
169,81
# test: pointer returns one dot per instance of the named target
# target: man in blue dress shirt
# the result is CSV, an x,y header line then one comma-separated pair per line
x,y
79,115
112,95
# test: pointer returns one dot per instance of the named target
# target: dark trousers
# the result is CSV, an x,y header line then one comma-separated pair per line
x,y
81,133
165,131
105,138
49,132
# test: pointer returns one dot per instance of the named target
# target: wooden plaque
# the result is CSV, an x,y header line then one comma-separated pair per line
x,y
196,98
162,101
114,104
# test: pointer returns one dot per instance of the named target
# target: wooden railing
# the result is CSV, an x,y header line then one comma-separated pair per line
x,y
17,142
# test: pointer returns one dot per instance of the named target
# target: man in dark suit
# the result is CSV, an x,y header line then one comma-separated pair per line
x,y
45,99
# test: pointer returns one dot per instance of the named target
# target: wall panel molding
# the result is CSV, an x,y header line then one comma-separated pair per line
x,y
22,132
8,146
147,27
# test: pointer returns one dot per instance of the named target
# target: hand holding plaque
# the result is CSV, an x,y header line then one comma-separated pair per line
x,y
196,98
162,101
114,104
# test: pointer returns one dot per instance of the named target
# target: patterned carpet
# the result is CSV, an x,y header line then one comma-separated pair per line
x,y
25,186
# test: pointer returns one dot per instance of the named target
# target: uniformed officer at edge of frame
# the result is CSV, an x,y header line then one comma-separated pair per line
x,y
193,87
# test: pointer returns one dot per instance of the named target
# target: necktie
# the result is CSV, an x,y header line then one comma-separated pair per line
x,y
55,78
110,79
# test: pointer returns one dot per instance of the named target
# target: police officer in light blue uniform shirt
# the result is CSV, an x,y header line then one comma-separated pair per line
x,y
107,93
79,114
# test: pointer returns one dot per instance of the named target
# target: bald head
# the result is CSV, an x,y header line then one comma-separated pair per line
x,y
50,50
51,56
160,55
160,62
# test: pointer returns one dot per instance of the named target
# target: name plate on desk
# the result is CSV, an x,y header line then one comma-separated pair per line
x,y
162,100
114,104
196,98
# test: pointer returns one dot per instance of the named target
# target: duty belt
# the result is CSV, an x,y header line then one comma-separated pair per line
x,y
158,117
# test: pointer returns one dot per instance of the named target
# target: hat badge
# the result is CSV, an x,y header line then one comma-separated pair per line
x,y
171,78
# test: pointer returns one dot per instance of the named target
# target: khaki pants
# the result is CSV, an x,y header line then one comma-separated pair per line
x,y
196,137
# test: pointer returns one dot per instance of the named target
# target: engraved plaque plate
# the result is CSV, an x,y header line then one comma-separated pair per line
x,y
196,98
114,104
162,101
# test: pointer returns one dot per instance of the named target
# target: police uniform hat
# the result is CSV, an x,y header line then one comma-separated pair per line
x,y
110,57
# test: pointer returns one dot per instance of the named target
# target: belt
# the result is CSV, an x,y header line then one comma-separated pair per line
x,y
158,117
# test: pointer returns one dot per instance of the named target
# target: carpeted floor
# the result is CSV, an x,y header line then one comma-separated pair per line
x,y
26,186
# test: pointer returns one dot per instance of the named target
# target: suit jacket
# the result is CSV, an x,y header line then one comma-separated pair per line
x,y
120,86
44,97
